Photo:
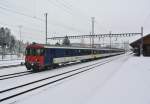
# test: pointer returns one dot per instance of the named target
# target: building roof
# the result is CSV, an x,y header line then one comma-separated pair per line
x,y
146,40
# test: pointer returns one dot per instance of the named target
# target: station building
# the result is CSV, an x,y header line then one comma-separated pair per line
x,y
146,46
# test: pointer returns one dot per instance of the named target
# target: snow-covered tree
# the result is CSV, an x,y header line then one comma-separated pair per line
x,y
66,41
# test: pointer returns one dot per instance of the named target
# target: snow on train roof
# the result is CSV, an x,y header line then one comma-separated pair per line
x,y
69,47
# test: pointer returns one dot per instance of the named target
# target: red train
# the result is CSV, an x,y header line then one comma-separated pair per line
x,y
40,56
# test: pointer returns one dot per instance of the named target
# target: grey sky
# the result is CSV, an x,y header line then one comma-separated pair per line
x,y
74,17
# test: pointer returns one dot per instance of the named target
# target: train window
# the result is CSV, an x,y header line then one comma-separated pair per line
x,y
39,52
42,51
103,51
88,52
32,51
66,52
27,52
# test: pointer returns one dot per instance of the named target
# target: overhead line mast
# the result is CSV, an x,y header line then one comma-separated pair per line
x,y
93,20
46,27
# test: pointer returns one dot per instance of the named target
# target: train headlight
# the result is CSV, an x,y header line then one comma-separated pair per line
x,y
37,60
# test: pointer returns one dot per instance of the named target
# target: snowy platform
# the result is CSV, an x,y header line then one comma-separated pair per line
x,y
122,81
5,63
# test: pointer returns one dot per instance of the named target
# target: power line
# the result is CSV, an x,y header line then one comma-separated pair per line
x,y
63,4
65,9
29,35
7,5
14,8
72,8
20,13
60,25
23,27
29,28
20,19
68,9
56,4
33,17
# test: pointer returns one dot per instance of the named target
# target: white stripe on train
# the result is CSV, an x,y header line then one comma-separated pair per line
x,y
78,58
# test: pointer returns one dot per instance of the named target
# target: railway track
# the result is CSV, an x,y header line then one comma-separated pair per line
x,y
31,86
14,75
20,74
10,66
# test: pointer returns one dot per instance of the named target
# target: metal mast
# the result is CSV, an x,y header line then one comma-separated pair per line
x,y
46,27
93,20
141,45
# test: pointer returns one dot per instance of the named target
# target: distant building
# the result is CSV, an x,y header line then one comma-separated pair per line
x,y
146,45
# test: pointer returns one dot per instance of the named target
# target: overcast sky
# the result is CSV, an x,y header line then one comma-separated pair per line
x,y
73,17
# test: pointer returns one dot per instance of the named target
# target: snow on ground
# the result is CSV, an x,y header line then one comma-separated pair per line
x,y
35,76
123,81
10,62
131,85
78,89
11,57
12,70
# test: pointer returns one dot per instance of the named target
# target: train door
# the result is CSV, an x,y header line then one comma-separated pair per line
x,y
49,54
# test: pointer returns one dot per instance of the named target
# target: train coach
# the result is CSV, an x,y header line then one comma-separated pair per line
x,y
39,56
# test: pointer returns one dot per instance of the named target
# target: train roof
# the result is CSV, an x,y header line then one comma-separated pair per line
x,y
35,45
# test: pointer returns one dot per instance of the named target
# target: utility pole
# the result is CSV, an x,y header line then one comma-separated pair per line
x,y
20,27
99,42
141,45
110,38
90,39
46,27
93,20
82,42
103,40
3,43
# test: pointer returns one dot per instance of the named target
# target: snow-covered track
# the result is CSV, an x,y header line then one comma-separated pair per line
x,y
14,75
9,66
28,87
20,74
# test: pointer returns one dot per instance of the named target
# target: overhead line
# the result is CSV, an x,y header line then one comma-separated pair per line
x,y
65,10
20,13
29,16
64,26
23,27
63,4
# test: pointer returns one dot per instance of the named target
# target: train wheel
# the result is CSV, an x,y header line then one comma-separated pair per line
x,y
55,65
47,67
36,69
28,68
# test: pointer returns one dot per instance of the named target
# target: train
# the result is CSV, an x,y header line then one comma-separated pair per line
x,y
41,56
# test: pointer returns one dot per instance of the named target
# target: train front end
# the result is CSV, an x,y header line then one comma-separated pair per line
x,y
34,59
